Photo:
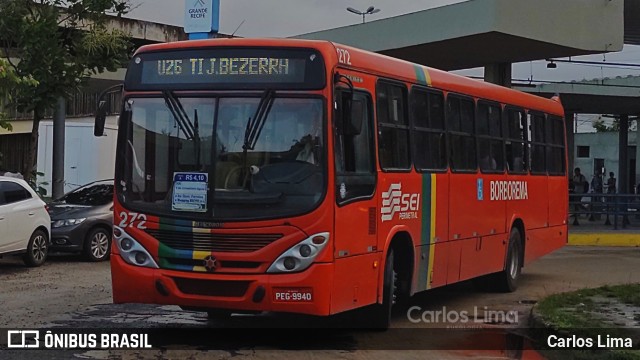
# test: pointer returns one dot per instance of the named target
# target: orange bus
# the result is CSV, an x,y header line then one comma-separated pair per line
x,y
311,177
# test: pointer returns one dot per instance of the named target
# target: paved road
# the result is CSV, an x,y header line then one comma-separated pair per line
x,y
68,292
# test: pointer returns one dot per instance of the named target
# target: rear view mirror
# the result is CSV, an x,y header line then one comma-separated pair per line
x,y
101,111
101,118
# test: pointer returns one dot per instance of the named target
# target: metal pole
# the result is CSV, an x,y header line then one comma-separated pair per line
x,y
57,177
623,165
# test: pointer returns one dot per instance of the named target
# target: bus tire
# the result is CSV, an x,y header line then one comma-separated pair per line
x,y
507,280
379,315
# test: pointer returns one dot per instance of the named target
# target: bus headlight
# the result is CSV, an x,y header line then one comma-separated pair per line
x,y
301,255
131,251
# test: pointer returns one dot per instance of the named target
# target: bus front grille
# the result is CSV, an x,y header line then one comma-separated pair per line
x,y
214,242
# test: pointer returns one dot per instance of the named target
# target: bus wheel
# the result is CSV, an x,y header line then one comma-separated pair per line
x,y
379,315
508,278
218,314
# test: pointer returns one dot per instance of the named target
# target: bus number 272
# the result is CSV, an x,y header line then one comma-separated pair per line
x,y
344,57
130,219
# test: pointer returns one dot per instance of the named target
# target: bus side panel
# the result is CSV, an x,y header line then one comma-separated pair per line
x,y
482,255
533,210
558,210
465,220
489,209
356,282
453,265
543,241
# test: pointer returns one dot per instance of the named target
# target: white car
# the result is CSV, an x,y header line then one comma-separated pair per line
x,y
25,225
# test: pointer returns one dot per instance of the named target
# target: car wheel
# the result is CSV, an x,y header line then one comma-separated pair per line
x,y
97,245
37,250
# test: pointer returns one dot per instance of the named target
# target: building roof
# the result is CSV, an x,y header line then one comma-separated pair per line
x,y
482,32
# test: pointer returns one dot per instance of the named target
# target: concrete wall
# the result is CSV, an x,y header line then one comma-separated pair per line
x,y
87,158
604,146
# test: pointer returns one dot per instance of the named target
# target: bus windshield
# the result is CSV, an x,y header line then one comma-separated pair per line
x,y
228,158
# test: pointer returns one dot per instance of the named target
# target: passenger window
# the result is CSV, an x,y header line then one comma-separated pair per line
x,y
460,118
556,162
516,139
393,124
490,142
13,192
537,138
429,137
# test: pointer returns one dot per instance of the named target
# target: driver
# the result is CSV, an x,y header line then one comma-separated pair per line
x,y
309,140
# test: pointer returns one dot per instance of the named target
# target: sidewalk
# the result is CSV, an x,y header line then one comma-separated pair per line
x,y
596,233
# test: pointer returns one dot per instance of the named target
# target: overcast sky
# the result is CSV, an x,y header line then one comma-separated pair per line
x,y
282,18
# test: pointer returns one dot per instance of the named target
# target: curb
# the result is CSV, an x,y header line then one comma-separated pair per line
x,y
605,239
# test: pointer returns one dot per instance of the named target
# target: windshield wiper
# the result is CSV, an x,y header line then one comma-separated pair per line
x,y
191,130
255,126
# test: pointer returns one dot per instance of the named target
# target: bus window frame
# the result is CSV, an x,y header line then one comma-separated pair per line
x,y
489,137
530,115
413,129
525,141
555,118
451,133
379,125
373,147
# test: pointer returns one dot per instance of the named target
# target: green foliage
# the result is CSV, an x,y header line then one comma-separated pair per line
x,y
9,80
600,125
38,186
60,44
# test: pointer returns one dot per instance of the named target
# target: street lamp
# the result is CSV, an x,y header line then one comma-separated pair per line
x,y
370,10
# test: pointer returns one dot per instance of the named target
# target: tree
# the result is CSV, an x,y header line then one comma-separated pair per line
x,y
60,44
8,81
601,126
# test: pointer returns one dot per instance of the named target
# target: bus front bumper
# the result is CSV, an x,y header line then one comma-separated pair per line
x,y
307,292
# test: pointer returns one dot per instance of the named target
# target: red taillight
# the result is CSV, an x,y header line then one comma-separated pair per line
x,y
46,207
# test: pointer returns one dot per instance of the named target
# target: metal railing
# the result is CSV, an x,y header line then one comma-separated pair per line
x,y
615,210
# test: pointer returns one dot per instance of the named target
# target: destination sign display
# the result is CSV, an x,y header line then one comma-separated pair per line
x,y
227,69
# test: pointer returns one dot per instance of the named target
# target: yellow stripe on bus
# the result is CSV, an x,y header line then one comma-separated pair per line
x,y
200,255
428,77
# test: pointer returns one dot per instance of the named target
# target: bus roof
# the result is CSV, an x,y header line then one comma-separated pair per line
x,y
384,66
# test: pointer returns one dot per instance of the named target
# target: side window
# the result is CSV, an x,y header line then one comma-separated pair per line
x,y
555,146
516,141
429,137
537,138
13,192
393,127
460,120
490,142
355,151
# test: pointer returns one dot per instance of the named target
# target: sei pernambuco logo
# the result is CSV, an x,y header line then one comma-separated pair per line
x,y
394,201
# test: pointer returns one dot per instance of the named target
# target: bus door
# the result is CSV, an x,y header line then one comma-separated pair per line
x,y
355,216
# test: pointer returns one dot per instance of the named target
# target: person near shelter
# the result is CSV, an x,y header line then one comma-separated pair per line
x,y
580,186
611,183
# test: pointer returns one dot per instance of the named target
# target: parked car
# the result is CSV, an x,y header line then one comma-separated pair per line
x,y
82,221
24,222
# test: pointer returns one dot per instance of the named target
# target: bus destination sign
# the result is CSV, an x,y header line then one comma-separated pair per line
x,y
226,68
